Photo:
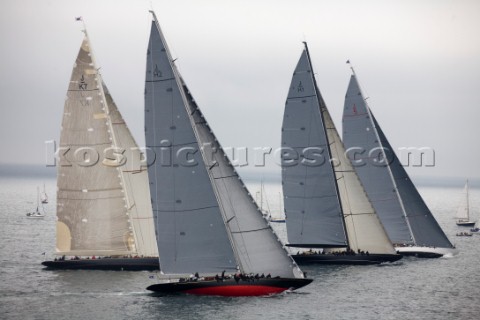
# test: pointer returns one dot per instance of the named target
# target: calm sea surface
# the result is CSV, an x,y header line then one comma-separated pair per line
x,y
445,288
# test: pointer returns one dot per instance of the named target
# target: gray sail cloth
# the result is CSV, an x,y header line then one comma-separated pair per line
x,y
206,220
356,214
91,210
191,235
312,204
400,207
129,158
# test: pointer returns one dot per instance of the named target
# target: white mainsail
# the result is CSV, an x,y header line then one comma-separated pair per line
x,y
44,197
206,219
335,180
463,211
97,206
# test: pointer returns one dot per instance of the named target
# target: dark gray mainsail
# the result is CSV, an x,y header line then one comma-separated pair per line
x,y
312,203
400,207
325,203
206,219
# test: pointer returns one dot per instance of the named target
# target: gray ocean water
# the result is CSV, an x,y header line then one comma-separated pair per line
x,y
445,288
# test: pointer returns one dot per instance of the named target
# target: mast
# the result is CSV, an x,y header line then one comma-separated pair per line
x,y
323,109
38,198
468,201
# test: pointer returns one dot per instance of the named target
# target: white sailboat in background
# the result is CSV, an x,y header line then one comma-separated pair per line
x,y
44,197
37,213
261,198
278,219
463,212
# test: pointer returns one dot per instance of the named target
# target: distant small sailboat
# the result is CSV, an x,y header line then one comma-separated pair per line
x,y
267,212
325,204
44,197
463,212
206,221
36,213
278,220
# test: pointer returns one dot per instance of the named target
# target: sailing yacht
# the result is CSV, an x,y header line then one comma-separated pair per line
x,y
463,212
207,223
325,204
36,213
104,215
409,223
262,194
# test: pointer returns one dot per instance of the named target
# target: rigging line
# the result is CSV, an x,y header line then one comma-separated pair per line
x,y
84,144
254,230
301,97
359,213
224,177
159,80
188,210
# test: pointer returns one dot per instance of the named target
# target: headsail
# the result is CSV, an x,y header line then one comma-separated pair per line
x,y
400,207
354,210
130,160
204,212
93,217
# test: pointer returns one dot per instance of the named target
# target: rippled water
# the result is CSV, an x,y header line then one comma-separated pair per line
x,y
445,288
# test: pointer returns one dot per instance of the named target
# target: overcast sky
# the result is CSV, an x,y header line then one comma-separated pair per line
x,y
418,61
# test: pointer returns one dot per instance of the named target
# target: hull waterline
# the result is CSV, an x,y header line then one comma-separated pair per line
x,y
426,252
466,224
345,259
231,287
117,264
